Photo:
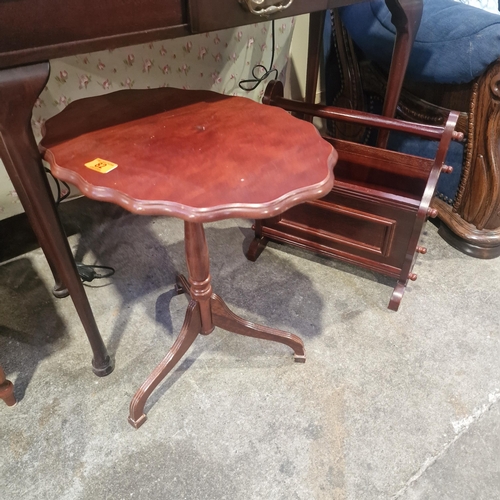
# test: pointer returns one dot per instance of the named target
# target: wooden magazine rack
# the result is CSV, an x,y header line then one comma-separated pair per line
x,y
375,213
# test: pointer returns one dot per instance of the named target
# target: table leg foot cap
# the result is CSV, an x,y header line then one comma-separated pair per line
x,y
106,369
60,293
137,423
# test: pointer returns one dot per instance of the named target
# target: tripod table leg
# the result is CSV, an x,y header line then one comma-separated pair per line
x,y
224,318
189,331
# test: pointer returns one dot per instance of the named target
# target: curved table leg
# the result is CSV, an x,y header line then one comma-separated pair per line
x,y
257,246
206,310
6,389
189,331
224,318
59,290
397,296
19,89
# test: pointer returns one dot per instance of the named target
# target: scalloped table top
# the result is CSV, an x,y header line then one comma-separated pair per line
x,y
196,155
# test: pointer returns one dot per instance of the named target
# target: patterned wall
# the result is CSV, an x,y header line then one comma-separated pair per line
x,y
214,61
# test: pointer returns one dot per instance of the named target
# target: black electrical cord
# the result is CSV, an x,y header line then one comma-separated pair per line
x,y
257,80
87,273
58,183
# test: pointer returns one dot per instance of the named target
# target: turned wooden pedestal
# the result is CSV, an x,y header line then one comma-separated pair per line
x,y
199,156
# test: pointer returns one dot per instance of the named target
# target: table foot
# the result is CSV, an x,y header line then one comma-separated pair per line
x,y
189,331
257,246
7,393
137,423
105,369
224,318
60,293
59,290
6,389
396,296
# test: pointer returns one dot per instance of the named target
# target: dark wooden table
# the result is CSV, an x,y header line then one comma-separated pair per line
x,y
201,167
35,31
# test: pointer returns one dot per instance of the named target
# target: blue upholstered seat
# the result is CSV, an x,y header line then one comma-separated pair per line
x,y
454,44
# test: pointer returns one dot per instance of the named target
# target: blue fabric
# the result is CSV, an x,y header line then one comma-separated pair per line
x,y
454,44
448,183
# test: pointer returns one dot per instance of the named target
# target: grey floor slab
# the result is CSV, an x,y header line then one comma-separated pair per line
x,y
468,467
388,405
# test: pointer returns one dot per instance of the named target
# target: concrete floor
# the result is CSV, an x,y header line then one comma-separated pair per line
x,y
388,405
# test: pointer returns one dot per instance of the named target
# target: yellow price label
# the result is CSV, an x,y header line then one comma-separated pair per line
x,y
100,165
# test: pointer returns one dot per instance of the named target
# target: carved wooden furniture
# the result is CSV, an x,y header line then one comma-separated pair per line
x,y
26,45
377,209
371,230
189,154
471,222
469,214
6,389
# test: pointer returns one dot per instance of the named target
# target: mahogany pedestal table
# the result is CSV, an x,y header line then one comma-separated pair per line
x,y
199,156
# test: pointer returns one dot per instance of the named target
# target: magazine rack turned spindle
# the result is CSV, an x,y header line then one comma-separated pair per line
x,y
199,156
379,204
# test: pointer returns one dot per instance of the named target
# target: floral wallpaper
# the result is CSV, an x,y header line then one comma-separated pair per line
x,y
214,61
